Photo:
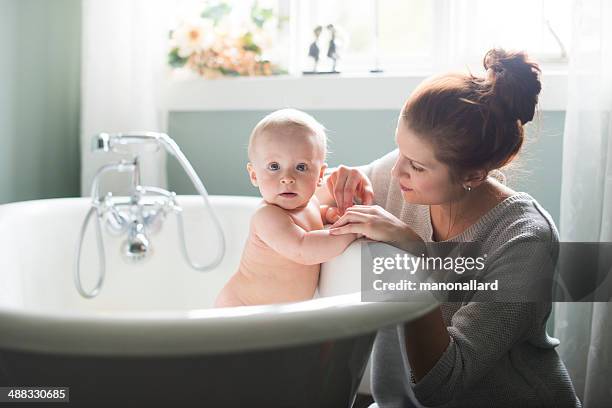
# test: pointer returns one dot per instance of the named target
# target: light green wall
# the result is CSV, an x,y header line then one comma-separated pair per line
x,y
7,74
39,98
215,143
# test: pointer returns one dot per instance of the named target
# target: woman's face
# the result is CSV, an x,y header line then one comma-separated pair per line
x,y
422,178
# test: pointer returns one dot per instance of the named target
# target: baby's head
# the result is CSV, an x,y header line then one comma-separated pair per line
x,y
287,152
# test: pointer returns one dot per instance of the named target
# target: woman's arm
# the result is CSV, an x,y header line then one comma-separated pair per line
x,y
426,343
277,229
482,331
431,338
446,360
480,335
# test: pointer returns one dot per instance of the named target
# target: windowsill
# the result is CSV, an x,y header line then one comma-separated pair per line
x,y
359,91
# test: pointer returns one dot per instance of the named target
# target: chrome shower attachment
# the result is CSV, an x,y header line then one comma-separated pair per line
x,y
143,212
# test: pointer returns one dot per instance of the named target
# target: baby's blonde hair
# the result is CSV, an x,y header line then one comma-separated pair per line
x,y
289,119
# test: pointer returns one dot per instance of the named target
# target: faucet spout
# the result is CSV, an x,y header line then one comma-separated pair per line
x,y
136,247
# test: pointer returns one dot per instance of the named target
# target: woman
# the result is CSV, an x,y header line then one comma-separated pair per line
x,y
453,131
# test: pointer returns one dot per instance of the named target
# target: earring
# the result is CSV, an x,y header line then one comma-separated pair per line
x,y
467,188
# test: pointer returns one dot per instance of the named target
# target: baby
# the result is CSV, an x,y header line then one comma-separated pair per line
x,y
286,243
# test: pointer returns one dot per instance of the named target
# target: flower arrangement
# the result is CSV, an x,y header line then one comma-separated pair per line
x,y
217,44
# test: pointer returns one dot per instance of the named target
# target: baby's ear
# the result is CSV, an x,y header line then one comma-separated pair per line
x,y
322,174
252,174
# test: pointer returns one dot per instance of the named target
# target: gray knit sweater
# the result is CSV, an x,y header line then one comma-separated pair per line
x,y
499,354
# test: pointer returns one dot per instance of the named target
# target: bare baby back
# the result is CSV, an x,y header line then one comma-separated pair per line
x,y
266,276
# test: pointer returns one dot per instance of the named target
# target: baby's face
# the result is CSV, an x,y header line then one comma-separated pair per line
x,y
287,165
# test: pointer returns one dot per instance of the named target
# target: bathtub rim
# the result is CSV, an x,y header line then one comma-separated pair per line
x,y
203,331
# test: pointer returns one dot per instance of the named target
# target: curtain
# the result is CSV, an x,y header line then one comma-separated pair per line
x,y
123,71
585,329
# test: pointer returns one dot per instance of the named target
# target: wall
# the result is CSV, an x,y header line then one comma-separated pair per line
x,y
215,142
39,121
39,99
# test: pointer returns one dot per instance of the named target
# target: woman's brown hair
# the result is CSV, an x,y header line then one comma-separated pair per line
x,y
476,123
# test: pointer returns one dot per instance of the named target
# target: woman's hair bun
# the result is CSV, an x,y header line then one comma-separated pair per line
x,y
515,84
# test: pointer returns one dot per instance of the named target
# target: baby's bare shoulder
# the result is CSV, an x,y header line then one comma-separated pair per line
x,y
268,214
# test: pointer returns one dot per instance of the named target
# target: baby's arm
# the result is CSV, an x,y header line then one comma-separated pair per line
x,y
276,228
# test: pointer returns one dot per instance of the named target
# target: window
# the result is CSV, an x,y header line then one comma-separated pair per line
x,y
404,36
539,27
409,35
372,33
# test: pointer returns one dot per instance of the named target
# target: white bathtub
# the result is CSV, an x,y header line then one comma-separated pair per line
x,y
151,337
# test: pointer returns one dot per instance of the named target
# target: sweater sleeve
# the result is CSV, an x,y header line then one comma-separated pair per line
x,y
482,331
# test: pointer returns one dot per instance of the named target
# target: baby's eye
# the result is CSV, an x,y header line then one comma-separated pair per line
x,y
301,167
273,166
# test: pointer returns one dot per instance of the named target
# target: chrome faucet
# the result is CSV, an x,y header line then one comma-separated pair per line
x,y
143,212
136,247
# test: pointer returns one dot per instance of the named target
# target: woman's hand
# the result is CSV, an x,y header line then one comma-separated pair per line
x,y
331,215
346,183
377,224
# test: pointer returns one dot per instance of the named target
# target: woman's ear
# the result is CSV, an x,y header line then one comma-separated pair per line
x,y
252,174
474,178
322,174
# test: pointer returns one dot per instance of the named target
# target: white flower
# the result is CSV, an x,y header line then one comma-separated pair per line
x,y
231,28
193,36
264,39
